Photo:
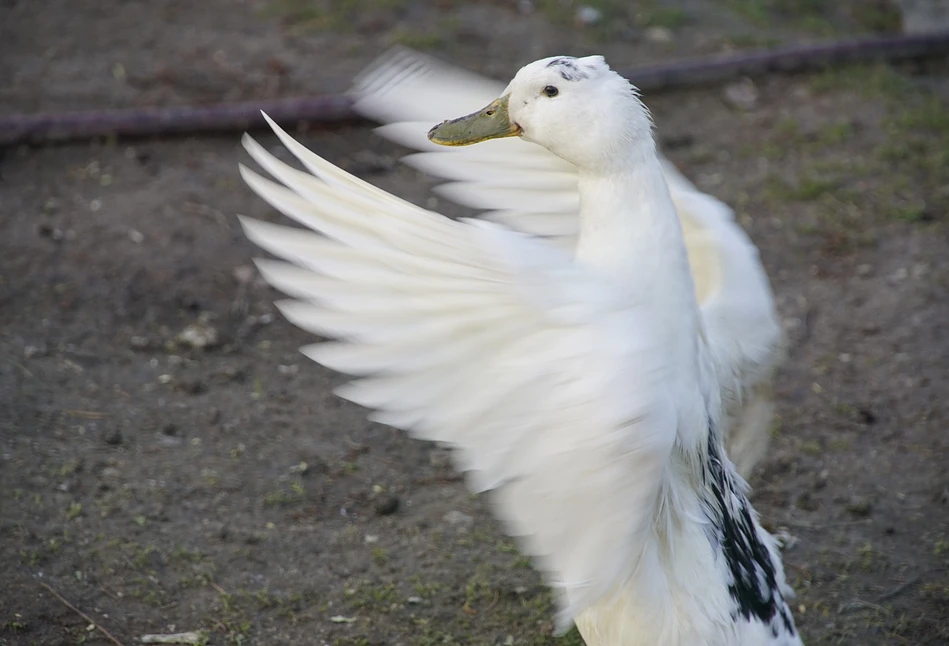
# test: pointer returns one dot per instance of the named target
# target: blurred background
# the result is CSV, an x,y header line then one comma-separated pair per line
x,y
169,463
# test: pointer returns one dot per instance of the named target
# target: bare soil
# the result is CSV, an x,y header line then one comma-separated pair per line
x,y
160,487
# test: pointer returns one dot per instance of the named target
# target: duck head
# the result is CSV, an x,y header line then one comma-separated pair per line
x,y
578,108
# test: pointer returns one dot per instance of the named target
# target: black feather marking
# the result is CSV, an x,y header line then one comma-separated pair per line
x,y
569,70
753,584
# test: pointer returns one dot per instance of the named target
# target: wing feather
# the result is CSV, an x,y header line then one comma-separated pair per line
x,y
547,383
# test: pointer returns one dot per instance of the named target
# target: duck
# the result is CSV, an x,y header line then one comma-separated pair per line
x,y
525,187
576,390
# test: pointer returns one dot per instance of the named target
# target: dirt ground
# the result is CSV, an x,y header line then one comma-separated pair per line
x,y
162,488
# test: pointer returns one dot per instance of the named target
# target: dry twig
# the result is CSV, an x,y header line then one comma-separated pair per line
x,y
92,622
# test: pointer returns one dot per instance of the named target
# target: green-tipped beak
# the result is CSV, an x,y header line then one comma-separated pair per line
x,y
491,122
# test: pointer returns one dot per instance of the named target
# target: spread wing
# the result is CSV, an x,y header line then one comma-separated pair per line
x,y
548,384
524,187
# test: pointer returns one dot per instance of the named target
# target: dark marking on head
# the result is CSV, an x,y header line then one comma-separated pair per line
x,y
753,585
569,70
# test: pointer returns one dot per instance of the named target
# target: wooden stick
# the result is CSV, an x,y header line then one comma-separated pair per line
x,y
900,589
79,612
333,110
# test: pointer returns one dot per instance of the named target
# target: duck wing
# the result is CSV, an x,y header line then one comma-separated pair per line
x,y
547,381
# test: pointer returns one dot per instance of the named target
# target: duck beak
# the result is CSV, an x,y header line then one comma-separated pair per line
x,y
492,122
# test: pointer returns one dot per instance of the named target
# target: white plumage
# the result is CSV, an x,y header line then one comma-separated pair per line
x,y
524,187
578,389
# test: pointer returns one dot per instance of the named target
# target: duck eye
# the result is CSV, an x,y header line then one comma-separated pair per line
x,y
550,90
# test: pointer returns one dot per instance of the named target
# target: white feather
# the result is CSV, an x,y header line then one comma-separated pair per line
x,y
537,372
579,388
526,188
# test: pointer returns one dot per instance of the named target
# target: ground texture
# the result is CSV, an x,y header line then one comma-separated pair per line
x,y
161,487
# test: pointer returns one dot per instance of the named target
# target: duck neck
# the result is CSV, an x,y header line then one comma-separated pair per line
x,y
630,234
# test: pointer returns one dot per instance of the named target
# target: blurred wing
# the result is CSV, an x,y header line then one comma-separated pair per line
x,y
526,188
546,382
738,312
520,184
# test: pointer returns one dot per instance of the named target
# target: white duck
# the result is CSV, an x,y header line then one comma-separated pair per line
x,y
580,390
527,188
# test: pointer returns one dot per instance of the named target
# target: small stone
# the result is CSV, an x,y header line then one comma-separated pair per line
x,y
311,452
387,506
587,15
136,236
164,379
243,274
371,539
169,441
45,230
864,269
659,35
233,373
31,351
742,94
113,437
414,601
461,521
139,343
844,357
200,336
